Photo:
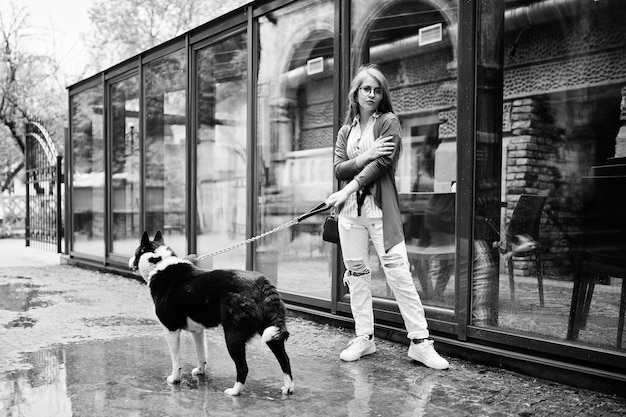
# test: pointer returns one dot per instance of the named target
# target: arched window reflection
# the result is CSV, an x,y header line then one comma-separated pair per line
x,y
414,43
295,139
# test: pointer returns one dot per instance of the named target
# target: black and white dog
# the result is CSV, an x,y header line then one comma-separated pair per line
x,y
188,298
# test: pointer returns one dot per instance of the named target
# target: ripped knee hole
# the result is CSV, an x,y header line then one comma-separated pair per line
x,y
357,268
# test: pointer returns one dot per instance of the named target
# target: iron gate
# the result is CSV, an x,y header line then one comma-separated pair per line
x,y
44,176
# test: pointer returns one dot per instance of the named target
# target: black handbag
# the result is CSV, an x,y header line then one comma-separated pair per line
x,y
331,229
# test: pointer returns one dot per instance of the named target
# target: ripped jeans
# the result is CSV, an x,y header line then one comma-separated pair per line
x,y
354,236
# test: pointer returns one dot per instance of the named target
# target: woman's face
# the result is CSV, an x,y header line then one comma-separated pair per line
x,y
369,94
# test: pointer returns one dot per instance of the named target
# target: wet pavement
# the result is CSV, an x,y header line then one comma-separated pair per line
x,y
77,342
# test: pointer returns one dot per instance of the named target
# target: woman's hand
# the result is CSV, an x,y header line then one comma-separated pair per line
x,y
337,198
380,147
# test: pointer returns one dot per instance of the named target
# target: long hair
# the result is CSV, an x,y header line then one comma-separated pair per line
x,y
384,106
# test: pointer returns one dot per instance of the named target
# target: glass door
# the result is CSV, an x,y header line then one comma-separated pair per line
x,y
165,158
87,175
221,150
124,133
551,178
294,133
414,43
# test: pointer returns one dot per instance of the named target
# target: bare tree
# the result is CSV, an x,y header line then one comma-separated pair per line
x,y
123,28
33,84
28,86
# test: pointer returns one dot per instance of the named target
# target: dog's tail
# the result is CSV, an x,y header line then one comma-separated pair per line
x,y
274,312
273,333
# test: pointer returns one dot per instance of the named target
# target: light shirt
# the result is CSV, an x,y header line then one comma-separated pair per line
x,y
359,142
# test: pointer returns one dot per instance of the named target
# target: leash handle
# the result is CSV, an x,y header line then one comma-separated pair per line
x,y
317,209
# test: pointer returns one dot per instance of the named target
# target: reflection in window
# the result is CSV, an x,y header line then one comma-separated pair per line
x,y
414,44
88,172
295,139
561,267
165,149
222,153
125,165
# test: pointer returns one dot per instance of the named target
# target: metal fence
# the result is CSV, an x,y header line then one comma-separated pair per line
x,y
12,214
44,176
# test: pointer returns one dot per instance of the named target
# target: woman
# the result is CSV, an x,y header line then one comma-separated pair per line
x,y
366,155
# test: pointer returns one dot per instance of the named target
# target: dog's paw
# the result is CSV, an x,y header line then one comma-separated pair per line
x,y
197,371
235,390
173,380
288,388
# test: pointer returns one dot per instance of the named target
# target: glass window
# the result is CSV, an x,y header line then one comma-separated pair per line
x,y
88,172
295,143
559,271
222,153
125,131
165,149
414,44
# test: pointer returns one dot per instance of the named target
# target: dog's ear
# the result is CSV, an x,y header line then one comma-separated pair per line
x,y
158,237
145,239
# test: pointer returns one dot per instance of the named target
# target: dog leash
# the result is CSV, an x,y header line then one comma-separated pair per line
x,y
317,209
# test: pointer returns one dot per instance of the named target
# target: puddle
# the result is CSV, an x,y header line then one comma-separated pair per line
x,y
22,321
126,376
38,391
19,296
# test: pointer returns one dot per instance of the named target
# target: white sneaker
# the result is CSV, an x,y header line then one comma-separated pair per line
x,y
425,353
358,347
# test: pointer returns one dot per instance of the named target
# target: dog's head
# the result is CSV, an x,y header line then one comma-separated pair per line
x,y
149,255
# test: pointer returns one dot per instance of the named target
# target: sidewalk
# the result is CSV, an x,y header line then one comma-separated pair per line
x,y
76,342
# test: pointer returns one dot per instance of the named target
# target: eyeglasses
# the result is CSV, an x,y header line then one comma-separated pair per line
x,y
367,90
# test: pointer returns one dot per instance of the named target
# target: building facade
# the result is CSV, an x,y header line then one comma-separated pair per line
x,y
511,180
